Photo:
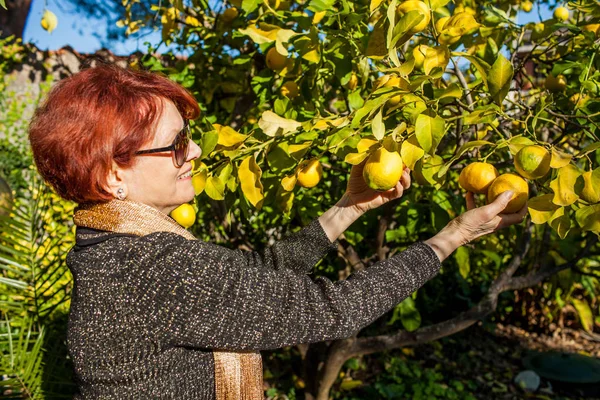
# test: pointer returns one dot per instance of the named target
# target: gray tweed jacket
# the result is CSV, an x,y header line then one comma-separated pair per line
x,y
146,311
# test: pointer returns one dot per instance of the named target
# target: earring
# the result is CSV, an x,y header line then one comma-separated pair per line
x,y
121,194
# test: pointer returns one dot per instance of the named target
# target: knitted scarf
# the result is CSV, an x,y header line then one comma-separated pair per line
x,y
237,375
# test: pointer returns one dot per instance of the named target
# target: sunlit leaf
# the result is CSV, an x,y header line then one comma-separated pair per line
x,y
249,174
289,182
273,125
559,158
566,185
588,218
462,259
215,188
436,57
585,314
411,152
374,4
499,78
429,131
355,158
228,137
541,208
378,126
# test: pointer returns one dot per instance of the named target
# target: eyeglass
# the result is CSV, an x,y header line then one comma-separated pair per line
x,y
180,146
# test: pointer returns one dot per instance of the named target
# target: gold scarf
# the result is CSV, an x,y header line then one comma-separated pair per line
x,y
238,375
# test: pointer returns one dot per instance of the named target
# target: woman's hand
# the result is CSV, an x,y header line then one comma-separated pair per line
x,y
474,223
362,198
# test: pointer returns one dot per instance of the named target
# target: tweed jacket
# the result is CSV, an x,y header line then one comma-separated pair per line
x,y
147,311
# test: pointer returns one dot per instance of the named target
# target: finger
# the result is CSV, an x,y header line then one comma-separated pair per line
x,y
405,179
395,192
499,204
514,218
470,200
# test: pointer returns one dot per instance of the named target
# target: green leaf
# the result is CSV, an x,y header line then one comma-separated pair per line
x,y
435,4
481,115
355,100
481,66
208,142
499,79
452,91
250,5
462,259
516,143
378,126
3,4
321,5
409,315
588,218
429,131
585,314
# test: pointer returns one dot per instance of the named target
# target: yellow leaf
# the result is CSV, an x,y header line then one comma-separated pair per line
x,y
323,124
215,188
541,208
289,182
561,225
516,143
272,124
411,152
355,158
559,158
374,5
313,55
261,36
228,137
193,21
365,144
435,57
298,150
249,174
319,16
566,185
588,218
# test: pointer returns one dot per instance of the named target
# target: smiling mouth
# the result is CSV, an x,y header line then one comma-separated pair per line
x,y
186,175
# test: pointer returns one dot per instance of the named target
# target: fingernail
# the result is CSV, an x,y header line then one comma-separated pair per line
x,y
509,193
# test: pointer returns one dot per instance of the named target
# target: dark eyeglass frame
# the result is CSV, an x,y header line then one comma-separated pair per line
x,y
183,139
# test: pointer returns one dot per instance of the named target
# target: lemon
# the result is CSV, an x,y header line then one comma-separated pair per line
x,y
526,6
383,169
49,21
440,23
419,55
352,82
509,182
539,28
477,177
289,89
561,14
533,161
185,215
199,175
275,61
421,7
592,28
396,81
229,14
310,173
555,84
589,193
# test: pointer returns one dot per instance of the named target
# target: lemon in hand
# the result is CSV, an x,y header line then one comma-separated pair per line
x,y
383,169
185,215
310,173
477,177
507,182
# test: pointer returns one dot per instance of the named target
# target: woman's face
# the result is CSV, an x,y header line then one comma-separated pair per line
x,y
154,179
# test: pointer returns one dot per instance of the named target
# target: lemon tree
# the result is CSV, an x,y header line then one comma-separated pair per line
x,y
293,93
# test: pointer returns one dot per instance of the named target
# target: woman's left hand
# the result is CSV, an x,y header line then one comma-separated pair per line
x,y
362,198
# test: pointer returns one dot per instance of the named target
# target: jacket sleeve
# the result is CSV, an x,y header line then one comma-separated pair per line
x,y
299,251
211,297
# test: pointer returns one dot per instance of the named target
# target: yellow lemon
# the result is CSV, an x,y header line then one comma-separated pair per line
x,y
533,161
555,84
185,215
199,175
592,28
396,81
310,173
289,89
383,169
275,61
421,7
507,182
419,55
49,21
229,14
589,193
477,177
440,23
539,28
561,14
352,82
526,6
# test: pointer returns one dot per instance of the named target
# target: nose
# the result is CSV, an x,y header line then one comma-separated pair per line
x,y
194,152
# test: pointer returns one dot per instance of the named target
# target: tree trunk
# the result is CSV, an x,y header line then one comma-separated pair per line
x,y
12,20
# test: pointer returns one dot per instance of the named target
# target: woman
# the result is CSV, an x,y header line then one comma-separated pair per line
x,y
156,314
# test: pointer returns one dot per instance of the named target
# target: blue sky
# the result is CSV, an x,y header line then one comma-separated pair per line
x,y
76,31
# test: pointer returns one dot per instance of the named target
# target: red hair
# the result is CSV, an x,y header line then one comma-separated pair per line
x,y
94,117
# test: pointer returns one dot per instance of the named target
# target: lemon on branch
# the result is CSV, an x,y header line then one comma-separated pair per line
x,y
275,61
526,6
383,169
309,173
507,182
421,8
49,21
229,14
561,14
397,82
185,215
533,162
555,84
290,89
419,54
477,177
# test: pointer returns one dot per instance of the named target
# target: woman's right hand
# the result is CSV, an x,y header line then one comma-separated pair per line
x,y
476,222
